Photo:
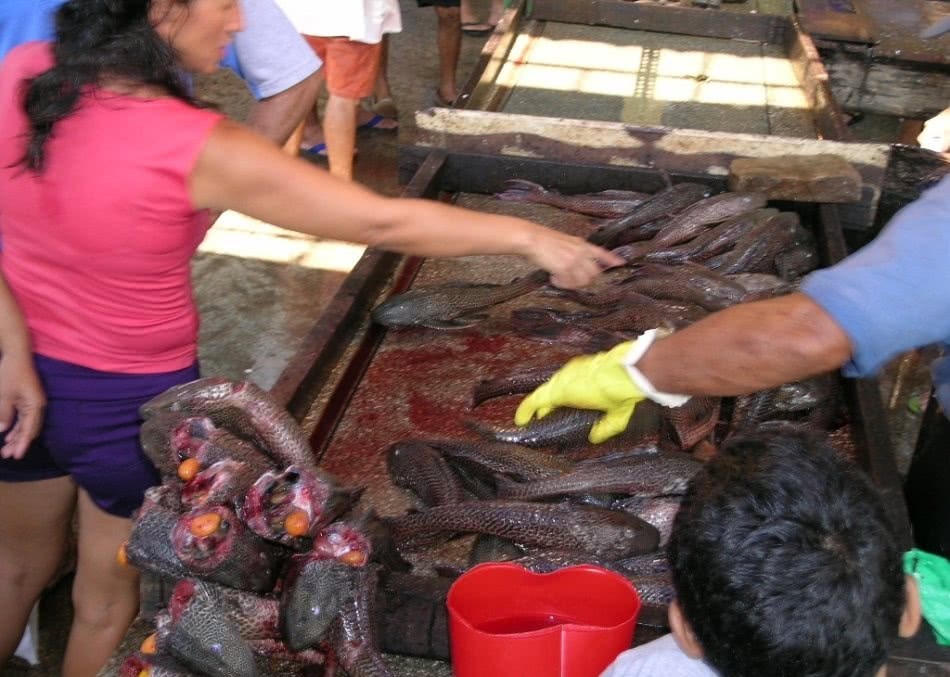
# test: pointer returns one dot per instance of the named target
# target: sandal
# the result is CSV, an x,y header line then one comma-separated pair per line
x,y
477,29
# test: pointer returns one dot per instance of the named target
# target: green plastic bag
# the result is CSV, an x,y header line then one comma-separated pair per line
x,y
933,577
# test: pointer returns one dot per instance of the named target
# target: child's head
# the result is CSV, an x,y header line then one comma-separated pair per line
x,y
785,563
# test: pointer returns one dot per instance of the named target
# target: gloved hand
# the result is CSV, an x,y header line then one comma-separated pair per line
x,y
604,381
933,577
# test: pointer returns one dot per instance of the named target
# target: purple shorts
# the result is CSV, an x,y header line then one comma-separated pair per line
x,y
91,433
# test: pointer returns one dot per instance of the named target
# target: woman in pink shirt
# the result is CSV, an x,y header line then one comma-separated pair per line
x,y
108,171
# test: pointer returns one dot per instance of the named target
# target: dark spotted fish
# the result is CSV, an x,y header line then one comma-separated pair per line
x,y
690,222
713,241
497,458
755,251
353,635
151,665
663,204
201,638
221,482
243,409
516,383
605,533
649,564
214,545
149,547
155,437
562,428
255,616
538,324
199,438
606,204
656,510
547,561
451,306
316,584
664,474
421,469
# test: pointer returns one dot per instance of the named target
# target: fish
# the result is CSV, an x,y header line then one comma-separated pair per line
x,y
243,409
649,564
541,324
606,533
353,634
197,437
152,665
713,241
421,469
605,204
638,315
214,545
690,222
291,505
155,437
562,428
664,474
517,462
656,510
694,420
622,456
200,636
655,590
761,285
451,306
489,548
712,284
254,616
149,547
221,482
517,382
548,561
662,204
796,262
669,289
755,251
316,582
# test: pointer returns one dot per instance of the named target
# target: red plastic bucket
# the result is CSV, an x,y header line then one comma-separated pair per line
x,y
506,621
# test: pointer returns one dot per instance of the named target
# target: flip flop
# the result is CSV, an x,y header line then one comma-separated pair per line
x,y
375,121
319,149
477,29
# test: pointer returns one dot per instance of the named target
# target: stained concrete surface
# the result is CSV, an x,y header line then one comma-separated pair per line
x,y
258,300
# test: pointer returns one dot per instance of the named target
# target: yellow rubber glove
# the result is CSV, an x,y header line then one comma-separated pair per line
x,y
589,382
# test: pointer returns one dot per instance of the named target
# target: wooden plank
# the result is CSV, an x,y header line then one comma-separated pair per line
x,y
604,143
836,20
899,88
664,19
479,92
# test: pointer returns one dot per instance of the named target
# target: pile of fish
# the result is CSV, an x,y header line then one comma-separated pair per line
x,y
540,495
268,578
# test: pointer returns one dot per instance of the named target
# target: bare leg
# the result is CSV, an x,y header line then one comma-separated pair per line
x,y
105,594
467,14
34,519
450,41
312,133
382,80
339,126
497,9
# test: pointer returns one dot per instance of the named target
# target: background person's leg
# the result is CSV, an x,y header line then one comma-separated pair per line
x,y
34,521
450,42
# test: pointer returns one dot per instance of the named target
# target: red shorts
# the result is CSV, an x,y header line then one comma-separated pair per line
x,y
350,67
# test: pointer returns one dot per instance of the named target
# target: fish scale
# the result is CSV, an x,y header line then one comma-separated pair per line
x,y
602,532
563,428
149,546
669,201
521,463
311,598
353,635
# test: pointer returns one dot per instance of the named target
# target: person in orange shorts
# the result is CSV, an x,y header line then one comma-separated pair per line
x,y
349,42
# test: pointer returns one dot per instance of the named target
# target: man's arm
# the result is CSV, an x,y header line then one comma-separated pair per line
x,y
749,347
277,116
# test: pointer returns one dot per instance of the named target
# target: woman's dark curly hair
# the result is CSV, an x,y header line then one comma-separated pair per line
x,y
97,39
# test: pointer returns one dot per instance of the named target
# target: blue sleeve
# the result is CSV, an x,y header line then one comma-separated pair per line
x,y
269,54
894,294
25,21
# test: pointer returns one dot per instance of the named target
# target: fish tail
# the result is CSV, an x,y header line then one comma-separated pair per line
x,y
519,190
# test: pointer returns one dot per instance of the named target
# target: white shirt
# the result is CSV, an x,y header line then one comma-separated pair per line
x,y
359,20
660,658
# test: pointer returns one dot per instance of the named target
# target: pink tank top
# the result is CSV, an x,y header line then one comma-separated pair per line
x,y
96,248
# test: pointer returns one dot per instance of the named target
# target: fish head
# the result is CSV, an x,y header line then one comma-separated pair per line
x,y
401,310
403,460
203,538
187,437
214,484
344,542
291,504
184,397
311,599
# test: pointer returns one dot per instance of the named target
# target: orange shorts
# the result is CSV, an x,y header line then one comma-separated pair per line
x,y
350,67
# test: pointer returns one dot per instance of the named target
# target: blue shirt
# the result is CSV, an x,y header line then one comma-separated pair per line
x,y
893,295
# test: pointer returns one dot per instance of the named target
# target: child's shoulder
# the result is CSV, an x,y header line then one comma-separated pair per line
x,y
660,658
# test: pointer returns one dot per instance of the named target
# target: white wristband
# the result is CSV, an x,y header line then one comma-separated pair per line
x,y
639,347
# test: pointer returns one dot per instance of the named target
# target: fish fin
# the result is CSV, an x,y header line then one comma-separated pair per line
x,y
455,323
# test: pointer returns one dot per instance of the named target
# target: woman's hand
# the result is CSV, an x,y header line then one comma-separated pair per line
x,y
571,261
21,393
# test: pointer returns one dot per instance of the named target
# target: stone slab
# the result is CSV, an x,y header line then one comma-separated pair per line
x,y
800,178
